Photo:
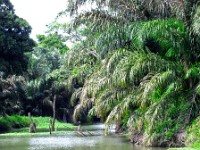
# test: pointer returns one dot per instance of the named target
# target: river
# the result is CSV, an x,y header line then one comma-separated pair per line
x,y
95,140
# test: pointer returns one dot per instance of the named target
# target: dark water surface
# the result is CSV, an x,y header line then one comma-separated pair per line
x,y
69,141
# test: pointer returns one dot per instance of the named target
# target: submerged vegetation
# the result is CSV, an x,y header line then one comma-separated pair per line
x,y
135,64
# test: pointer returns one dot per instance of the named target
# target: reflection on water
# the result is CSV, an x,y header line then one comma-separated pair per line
x,y
62,142
68,141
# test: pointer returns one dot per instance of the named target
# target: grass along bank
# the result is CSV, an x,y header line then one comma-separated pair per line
x,y
17,125
43,123
185,148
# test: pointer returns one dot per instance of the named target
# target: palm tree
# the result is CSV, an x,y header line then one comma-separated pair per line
x,y
147,72
13,92
130,84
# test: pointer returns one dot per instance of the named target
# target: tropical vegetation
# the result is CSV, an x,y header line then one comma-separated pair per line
x,y
135,64
20,124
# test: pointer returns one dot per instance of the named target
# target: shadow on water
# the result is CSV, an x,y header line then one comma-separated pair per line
x,y
70,141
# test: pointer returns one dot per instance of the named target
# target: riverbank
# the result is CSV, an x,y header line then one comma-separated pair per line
x,y
185,148
63,129
19,125
71,140
42,124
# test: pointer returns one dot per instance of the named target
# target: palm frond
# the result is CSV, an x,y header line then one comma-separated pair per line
x,y
47,102
160,80
75,96
198,89
78,113
170,34
134,10
196,22
117,113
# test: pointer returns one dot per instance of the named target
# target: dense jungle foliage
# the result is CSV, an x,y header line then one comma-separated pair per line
x,y
135,64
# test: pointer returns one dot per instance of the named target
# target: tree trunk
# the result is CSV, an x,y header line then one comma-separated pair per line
x,y
32,128
54,113
188,12
186,68
118,128
189,8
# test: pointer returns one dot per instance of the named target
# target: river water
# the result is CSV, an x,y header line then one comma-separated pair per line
x,y
94,140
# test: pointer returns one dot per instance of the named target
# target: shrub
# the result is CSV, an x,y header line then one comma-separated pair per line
x,y
14,121
17,121
193,134
4,125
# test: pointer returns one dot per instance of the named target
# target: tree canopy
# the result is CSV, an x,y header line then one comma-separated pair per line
x,y
14,40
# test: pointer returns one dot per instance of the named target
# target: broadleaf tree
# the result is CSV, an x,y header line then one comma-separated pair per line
x,y
14,40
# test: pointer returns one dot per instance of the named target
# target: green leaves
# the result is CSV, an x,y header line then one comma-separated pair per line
x,y
170,53
107,88
14,40
144,82
132,10
198,89
53,42
165,37
196,22
194,71
131,63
